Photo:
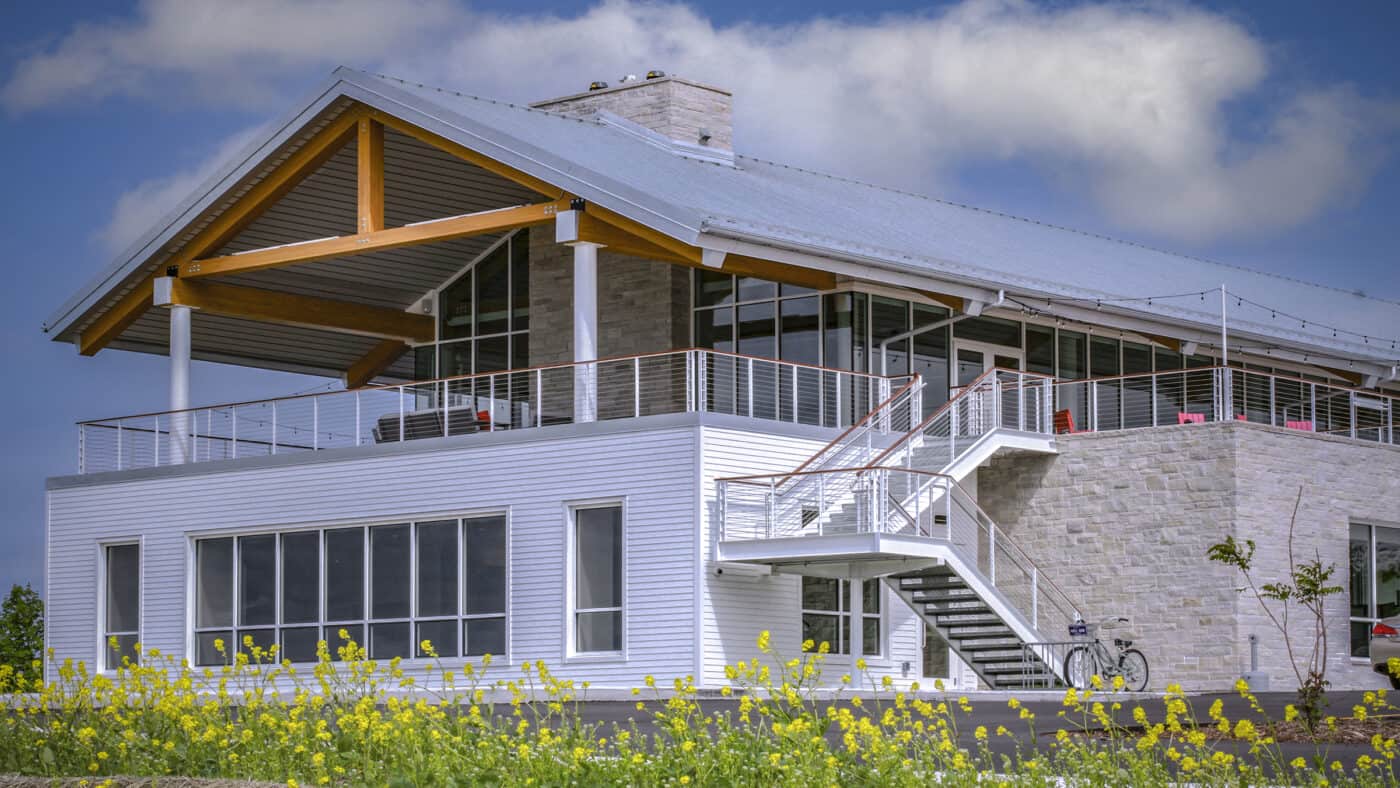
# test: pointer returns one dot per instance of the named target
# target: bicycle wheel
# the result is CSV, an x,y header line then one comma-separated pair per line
x,y
1079,666
1134,667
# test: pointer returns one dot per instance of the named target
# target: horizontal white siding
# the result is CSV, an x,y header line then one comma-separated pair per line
x,y
653,470
736,609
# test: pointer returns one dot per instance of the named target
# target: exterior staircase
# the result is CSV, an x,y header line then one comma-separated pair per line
x,y
973,629
884,500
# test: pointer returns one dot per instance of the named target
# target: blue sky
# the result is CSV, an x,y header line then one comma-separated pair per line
x,y
1260,134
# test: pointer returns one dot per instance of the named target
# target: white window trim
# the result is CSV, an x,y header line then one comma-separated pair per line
x,y
1370,621
193,537
842,615
101,607
570,653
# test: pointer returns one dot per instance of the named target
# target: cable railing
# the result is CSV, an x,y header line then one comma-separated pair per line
x,y
681,381
895,501
1224,394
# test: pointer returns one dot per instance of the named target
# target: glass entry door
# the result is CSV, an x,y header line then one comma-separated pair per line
x,y
972,359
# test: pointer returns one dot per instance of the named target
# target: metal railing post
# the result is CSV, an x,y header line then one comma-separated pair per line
x,y
1035,596
772,506
233,428
357,417
947,508
274,426
992,553
490,403
1154,400
1312,403
539,397
636,387
749,367
157,433
401,420
1273,401
119,445
446,415
315,423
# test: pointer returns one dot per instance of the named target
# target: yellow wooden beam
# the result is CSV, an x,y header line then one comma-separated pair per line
x,y
466,154
1166,342
306,160
372,365
480,223
269,306
370,172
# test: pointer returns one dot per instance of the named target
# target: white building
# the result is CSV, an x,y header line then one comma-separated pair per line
x,y
619,398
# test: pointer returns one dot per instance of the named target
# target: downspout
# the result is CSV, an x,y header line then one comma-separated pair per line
x,y
948,321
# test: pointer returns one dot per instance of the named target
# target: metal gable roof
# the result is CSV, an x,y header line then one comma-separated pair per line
x,y
786,207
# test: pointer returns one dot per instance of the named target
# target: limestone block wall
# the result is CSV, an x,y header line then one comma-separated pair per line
x,y
1122,522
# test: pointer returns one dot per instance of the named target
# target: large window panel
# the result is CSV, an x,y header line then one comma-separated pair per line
x,y
826,614
122,600
485,565
214,583
301,577
1373,580
257,580
493,292
930,356
598,579
345,574
389,571
437,569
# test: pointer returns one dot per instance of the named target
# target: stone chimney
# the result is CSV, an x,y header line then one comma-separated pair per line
x,y
679,109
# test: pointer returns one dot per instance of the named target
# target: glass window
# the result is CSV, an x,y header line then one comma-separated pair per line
x,y
801,330
758,334
713,288
1374,581
214,583
122,599
598,579
754,289
889,318
930,356
426,558
493,292
301,577
1040,349
455,308
825,614
345,574
714,328
257,580
389,571
437,569
492,354
991,330
520,281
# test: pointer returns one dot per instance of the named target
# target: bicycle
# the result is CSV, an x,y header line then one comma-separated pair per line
x,y
1093,658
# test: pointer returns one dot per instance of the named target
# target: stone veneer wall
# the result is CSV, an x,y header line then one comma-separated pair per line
x,y
1122,522
643,305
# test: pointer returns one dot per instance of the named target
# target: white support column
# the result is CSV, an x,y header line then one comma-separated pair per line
x,y
585,331
857,626
179,384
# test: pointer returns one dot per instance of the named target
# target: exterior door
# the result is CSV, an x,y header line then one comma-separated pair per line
x,y
971,359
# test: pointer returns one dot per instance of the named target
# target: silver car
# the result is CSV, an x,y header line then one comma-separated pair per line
x,y
1385,645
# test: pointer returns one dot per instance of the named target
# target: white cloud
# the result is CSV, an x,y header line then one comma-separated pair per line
x,y
141,208
1137,106
215,50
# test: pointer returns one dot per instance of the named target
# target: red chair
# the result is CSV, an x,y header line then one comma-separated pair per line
x,y
1190,418
1064,423
484,417
1305,426
1241,417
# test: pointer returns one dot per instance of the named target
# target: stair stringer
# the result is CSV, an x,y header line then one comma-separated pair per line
x,y
1009,614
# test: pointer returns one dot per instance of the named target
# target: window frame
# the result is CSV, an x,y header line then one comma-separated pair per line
x,y
366,618
571,653
103,575
511,334
843,614
1373,608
